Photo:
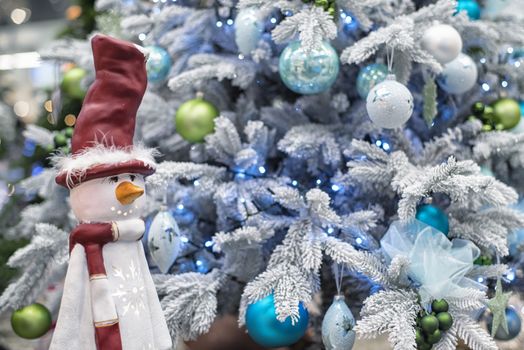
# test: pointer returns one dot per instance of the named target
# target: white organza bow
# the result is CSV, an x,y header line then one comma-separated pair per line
x,y
437,264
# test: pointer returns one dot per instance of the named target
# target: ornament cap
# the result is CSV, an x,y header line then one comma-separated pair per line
x,y
339,297
391,76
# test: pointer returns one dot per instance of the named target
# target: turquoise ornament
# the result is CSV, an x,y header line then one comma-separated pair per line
x,y
514,325
369,76
337,326
158,64
264,328
308,72
519,129
471,7
433,216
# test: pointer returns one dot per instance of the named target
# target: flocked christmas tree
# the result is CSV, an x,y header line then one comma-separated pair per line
x,y
317,155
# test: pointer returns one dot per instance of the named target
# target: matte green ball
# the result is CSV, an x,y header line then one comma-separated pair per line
x,y
419,337
429,324
507,112
32,321
69,132
478,108
194,119
424,346
445,321
72,83
439,306
434,337
60,140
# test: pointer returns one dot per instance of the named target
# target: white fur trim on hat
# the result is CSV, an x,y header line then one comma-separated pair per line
x,y
76,165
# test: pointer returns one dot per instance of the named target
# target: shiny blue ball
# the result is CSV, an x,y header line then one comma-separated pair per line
x,y
514,325
264,328
471,7
433,216
158,64
370,76
308,72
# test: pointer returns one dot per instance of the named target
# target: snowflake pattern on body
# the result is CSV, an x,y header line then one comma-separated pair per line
x,y
130,289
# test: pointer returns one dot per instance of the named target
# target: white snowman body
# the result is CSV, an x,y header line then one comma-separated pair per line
x,y
141,321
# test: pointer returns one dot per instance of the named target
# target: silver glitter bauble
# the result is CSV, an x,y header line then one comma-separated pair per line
x,y
459,75
389,104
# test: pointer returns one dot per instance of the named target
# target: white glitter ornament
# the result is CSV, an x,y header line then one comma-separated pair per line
x,y
164,240
249,28
459,75
443,42
389,103
337,326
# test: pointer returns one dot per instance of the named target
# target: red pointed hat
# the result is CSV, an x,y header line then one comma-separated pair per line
x,y
102,142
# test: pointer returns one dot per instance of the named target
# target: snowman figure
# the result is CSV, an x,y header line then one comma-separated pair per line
x,y
109,300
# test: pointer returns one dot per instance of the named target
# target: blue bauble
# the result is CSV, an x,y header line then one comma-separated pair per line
x,y
471,7
308,72
264,328
370,76
514,325
158,64
337,326
433,216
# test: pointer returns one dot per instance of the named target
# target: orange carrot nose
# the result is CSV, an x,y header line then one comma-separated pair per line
x,y
126,192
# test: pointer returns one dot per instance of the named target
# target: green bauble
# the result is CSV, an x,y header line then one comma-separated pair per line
x,y
419,337
69,132
424,346
194,119
507,113
60,140
434,337
429,324
478,108
439,306
72,83
445,321
32,321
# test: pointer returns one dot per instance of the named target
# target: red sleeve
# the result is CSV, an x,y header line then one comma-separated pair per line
x,y
100,233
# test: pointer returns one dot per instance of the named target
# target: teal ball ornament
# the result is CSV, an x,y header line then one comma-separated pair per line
x,y
433,216
264,328
308,72
369,76
158,64
514,325
471,7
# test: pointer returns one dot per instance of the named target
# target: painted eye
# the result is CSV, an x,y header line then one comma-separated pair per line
x,y
132,177
113,179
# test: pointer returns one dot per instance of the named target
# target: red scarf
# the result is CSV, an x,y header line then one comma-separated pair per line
x,y
93,237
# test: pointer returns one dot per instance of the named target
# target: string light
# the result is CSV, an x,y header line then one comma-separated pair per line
x,y
294,183
208,244
219,24
261,170
20,15
359,240
335,187
485,87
